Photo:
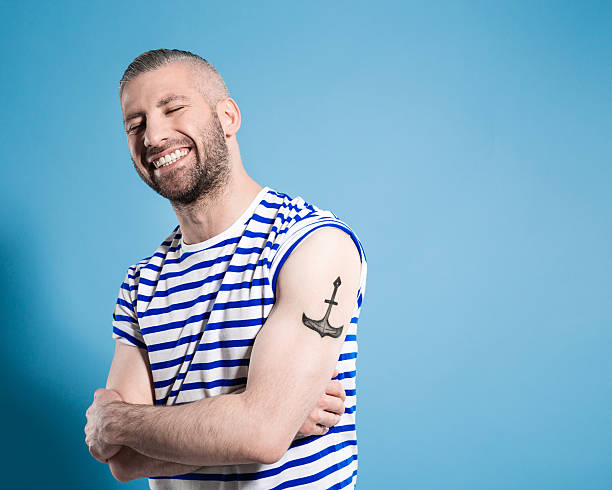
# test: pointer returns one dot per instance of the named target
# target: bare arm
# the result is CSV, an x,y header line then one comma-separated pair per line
x,y
289,370
130,376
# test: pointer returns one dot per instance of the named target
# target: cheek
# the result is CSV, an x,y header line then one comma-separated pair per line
x,y
136,151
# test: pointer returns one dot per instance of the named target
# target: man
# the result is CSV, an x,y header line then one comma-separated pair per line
x,y
250,282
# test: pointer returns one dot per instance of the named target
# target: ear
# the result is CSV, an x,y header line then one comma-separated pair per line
x,y
229,115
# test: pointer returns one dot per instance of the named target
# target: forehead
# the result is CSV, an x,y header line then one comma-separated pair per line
x,y
149,88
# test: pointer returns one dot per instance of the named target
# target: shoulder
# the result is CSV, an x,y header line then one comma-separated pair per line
x,y
289,210
326,268
307,235
296,218
325,250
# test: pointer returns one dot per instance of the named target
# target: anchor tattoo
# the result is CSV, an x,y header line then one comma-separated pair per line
x,y
322,326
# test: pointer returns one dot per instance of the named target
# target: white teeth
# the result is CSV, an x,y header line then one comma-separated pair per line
x,y
170,158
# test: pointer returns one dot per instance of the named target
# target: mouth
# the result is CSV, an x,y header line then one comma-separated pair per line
x,y
170,157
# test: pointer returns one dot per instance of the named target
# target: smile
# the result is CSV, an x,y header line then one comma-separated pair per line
x,y
170,158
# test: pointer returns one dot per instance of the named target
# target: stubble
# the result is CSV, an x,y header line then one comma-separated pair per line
x,y
200,181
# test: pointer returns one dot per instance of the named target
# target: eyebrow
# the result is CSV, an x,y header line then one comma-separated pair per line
x,y
171,98
162,102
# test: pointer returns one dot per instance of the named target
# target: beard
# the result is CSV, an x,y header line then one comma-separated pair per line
x,y
200,180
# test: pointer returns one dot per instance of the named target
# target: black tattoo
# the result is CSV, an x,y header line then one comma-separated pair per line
x,y
322,326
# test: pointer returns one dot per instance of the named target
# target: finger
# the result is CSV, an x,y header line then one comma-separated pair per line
x,y
326,419
307,427
335,373
331,403
320,430
335,388
93,450
98,393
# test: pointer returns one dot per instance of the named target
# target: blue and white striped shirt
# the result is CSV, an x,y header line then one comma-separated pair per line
x,y
197,308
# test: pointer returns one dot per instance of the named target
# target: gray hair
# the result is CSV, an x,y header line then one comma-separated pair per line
x,y
212,86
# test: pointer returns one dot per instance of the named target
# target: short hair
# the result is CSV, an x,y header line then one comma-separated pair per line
x,y
212,86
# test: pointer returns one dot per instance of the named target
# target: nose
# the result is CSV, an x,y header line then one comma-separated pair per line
x,y
156,132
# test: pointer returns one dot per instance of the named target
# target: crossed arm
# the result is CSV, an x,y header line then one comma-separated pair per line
x,y
290,367
130,381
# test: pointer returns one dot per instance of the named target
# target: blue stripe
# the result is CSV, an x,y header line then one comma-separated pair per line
x,y
266,473
344,483
263,219
168,382
350,338
122,302
186,255
202,366
127,336
177,324
279,194
123,318
196,284
346,374
350,392
174,343
280,217
207,385
249,322
243,285
350,409
178,306
204,264
206,346
317,476
224,344
171,362
336,428
255,234
202,317
270,205
344,428
243,304
348,355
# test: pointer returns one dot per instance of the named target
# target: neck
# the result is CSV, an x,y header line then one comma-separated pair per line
x,y
215,213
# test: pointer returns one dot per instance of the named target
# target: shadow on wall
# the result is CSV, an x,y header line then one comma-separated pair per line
x,y
43,412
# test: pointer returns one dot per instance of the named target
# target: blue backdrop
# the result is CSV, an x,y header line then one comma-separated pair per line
x,y
469,146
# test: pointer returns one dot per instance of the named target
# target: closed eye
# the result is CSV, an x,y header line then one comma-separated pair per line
x,y
133,129
175,109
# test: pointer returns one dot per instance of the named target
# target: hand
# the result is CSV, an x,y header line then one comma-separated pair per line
x,y
327,412
97,424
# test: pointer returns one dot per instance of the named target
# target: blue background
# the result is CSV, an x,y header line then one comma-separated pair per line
x,y
469,146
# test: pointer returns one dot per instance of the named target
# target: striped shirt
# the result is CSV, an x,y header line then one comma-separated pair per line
x,y
196,309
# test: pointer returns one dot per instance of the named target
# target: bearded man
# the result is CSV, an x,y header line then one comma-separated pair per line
x,y
227,336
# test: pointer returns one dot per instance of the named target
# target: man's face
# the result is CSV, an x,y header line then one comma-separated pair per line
x,y
175,139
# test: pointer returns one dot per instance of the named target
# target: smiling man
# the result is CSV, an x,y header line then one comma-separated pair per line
x,y
228,335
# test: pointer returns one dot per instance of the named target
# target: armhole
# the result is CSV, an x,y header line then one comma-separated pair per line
x,y
285,251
